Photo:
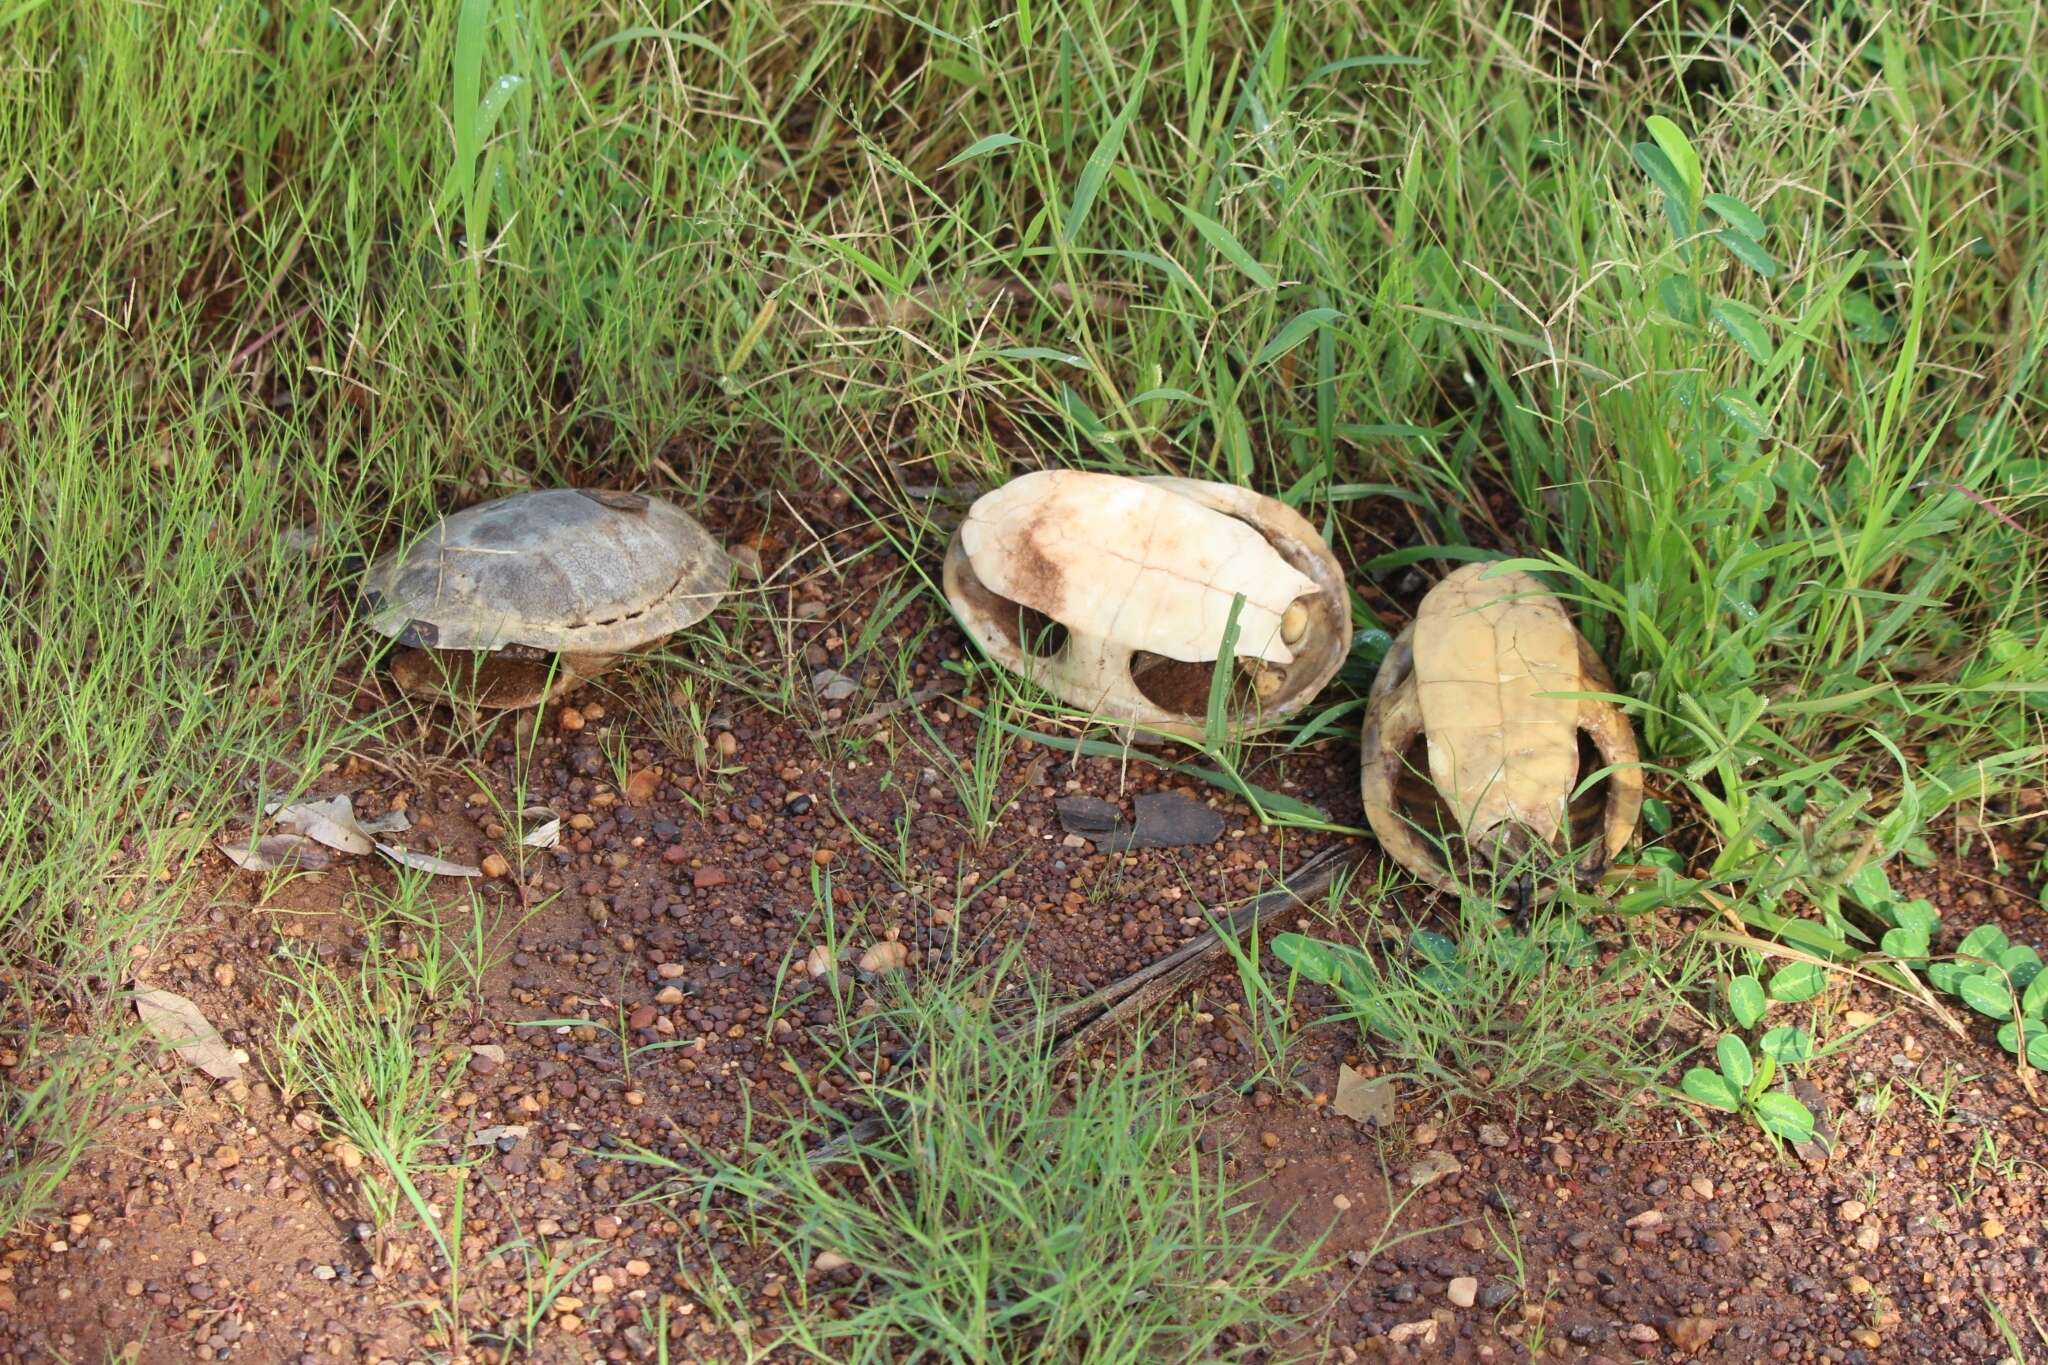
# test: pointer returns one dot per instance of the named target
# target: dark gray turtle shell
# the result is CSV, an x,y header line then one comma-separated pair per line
x,y
560,569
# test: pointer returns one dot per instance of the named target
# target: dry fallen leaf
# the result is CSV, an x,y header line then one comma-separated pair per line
x,y
642,785
491,1137
427,862
490,1052
331,822
1367,1099
544,836
390,822
177,1023
277,853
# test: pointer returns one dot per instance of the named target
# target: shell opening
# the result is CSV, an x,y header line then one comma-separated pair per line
x,y
1183,688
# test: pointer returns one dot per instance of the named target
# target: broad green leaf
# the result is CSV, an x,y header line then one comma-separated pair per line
x,y
1987,993
1737,215
983,146
1788,1044
1708,1088
1294,333
1671,190
1232,250
1337,965
1785,1117
1917,914
1870,887
1680,299
2022,963
1678,150
1746,414
1657,814
1438,948
1986,941
1949,976
2035,1002
1908,945
1748,252
1797,981
1746,1000
1865,320
2037,1041
1736,1063
1741,322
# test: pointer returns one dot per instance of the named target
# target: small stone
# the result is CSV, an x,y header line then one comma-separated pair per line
x,y
133,1289
1342,1202
224,974
1269,1140
1701,1186
1644,1333
350,1159
602,1284
641,1017
823,857
829,1261
1856,1284
1422,1330
727,744
1492,1135
570,720
705,878
669,971
668,995
1648,1218
638,1268
1858,1018
1431,1167
226,1157
77,1224
818,962
323,1272
1692,1335
1868,1236
604,1227
1852,1210
494,865
1866,1338
641,786
1991,1228
1463,1292
886,956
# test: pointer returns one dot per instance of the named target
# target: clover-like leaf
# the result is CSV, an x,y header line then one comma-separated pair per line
x,y
1746,1000
1736,1064
1708,1088
1785,1117
1788,1043
1797,981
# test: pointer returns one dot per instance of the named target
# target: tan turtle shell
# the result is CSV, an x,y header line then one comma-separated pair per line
x,y
1477,677
586,574
1114,593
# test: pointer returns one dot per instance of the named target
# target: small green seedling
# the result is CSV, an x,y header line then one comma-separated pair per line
x,y
1741,1085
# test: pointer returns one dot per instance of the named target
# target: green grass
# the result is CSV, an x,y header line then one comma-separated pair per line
x,y
1009,1211
300,266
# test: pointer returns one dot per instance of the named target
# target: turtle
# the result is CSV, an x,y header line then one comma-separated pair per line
x,y
1478,677
1114,593
582,575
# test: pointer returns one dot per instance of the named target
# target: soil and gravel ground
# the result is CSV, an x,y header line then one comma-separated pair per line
x,y
215,1223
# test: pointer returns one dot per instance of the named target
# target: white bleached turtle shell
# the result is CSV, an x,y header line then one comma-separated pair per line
x,y
564,569
1138,576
